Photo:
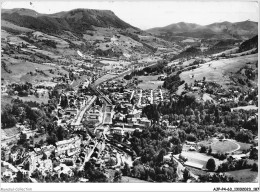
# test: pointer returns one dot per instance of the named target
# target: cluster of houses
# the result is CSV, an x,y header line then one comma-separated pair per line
x,y
220,95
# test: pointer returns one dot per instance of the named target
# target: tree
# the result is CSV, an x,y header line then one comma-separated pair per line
x,y
44,156
182,135
138,171
60,133
7,119
210,150
186,174
176,149
161,155
191,137
253,154
255,167
64,101
19,176
41,142
118,176
52,139
186,86
175,140
211,165
203,149
23,139
126,171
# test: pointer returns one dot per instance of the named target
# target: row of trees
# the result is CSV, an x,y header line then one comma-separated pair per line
x,y
232,165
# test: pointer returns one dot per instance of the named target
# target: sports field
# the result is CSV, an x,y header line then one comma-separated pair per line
x,y
224,146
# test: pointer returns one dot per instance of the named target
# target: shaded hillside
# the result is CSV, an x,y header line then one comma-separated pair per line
x,y
76,21
215,47
189,52
221,45
249,44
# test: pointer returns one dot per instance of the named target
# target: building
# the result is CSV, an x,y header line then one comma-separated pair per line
x,y
117,131
94,116
46,85
69,146
145,121
3,89
62,168
71,111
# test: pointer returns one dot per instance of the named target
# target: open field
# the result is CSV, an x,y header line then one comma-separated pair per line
x,y
199,158
224,146
206,142
149,82
20,69
243,146
244,175
218,70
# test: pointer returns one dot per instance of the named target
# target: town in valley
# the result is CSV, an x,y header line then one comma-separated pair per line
x,y
87,97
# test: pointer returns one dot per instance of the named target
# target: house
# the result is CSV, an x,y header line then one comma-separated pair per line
x,y
71,111
135,113
239,156
31,47
194,88
192,148
3,89
62,168
172,127
191,143
167,157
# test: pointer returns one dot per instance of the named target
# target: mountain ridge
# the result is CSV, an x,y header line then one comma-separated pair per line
x,y
76,20
239,30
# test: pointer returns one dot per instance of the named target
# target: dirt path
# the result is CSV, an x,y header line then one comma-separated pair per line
x,y
238,146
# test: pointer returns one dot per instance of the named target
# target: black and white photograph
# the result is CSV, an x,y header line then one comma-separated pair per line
x,y
129,95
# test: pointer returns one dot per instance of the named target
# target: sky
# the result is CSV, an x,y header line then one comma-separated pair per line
x,y
146,14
